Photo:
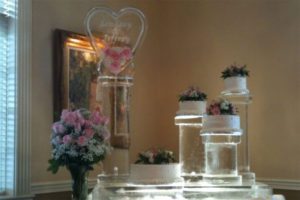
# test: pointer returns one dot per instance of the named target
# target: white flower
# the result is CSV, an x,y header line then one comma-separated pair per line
x,y
224,105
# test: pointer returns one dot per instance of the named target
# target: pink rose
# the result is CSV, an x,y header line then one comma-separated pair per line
x,y
89,133
97,118
82,141
127,53
67,139
215,110
68,117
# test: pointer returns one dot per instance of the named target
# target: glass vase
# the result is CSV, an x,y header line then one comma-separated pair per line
x,y
79,182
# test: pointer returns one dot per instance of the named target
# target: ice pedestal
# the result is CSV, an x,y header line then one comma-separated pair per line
x,y
221,158
242,101
113,94
190,146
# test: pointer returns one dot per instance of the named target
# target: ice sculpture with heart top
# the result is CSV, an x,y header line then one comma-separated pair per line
x,y
116,36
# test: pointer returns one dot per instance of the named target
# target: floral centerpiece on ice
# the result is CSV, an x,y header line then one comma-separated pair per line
x,y
192,102
221,117
79,140
155,156
221,107
235,71
155,166
192,94
235,79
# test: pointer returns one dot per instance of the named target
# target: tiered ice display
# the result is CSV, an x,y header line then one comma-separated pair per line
x,y
208,155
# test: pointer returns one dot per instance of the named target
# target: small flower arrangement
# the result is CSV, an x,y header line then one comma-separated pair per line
x,y
80,138
221,107
155,156
192,94
235,71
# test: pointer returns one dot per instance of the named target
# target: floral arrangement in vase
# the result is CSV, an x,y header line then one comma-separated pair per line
x,y
79,140
235,71
235,80
192,102
221,107
155,156
192,94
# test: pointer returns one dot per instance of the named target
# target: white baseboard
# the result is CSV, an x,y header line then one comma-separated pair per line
x,y
56,186
62,186
284,184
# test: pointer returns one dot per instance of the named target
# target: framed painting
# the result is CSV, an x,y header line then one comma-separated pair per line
x,y
75,72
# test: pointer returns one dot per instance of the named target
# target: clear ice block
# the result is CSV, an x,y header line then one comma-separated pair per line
x,y
190,145
113,94
221,158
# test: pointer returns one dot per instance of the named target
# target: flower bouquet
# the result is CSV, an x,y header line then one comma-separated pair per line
x,y
235,79
192,101
79,140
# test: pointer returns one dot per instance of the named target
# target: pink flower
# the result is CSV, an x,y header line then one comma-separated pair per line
x,y
97,119
74,119
127,53
67,139
58,128
68,117
82,141
215,110
89,133
88,124
116,57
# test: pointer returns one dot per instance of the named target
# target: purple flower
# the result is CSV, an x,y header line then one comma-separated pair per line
x,y
58,128
67,139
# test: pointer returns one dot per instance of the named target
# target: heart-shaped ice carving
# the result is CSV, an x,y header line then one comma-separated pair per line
x,y
115,36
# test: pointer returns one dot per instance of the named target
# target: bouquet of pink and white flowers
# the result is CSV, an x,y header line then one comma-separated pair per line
x,y
80,138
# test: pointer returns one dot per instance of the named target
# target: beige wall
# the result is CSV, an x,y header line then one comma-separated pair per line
x,y
189,42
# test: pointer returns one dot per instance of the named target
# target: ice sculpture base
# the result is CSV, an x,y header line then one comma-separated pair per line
x,y
248,177
119,188
222,180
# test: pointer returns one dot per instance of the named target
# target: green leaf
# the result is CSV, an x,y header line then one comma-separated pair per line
x,y
53,166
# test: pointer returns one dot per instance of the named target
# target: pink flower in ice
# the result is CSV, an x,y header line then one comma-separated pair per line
x,y
67,139
82,141
116,57
127,53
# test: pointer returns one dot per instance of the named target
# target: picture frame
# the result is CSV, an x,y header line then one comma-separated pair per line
x,y
74,72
